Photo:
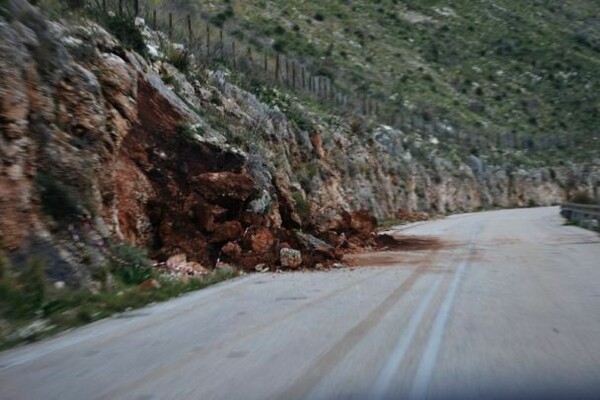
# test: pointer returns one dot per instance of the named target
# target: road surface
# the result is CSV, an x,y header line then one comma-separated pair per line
x,y
507,307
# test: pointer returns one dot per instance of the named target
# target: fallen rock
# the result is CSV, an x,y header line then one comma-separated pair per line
x,y
290,258
406,216
195,269
261,267
176,261
231,250
362,222
228,231
261,240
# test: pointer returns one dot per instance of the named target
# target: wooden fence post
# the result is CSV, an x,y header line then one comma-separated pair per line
x,y
277,67
303,80
207,41
189,26
170,25
287,70
319,86
331,95
221,43
153,19
233,53
250,55
266,64
293,75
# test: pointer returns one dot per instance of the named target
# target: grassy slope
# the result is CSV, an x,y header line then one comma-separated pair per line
x,y
488,68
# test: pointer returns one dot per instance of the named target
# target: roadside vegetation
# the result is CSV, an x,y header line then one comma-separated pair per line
x,y
32,308
516,81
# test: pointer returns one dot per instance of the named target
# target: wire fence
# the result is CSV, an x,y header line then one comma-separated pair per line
x,y
212,44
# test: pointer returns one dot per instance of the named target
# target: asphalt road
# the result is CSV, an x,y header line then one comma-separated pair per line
x,y
507,307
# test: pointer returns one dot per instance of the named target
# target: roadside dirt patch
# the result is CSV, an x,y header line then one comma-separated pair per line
x,y
397,248
408,243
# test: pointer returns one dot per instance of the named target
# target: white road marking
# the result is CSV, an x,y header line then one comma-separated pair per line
x,y
427,364
387,373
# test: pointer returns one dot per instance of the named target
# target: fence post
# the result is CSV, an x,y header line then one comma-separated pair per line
x,y
331,95
207,41
153,19
250,55
189,26
120,8
287,70
319,86
136,8
233,53
277,67
170,25
303,80
221,43
293,75
266,64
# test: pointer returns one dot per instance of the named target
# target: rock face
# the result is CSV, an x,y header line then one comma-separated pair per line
x,y
96,148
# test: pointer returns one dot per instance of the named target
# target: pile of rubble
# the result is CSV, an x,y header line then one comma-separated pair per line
x,y
405,216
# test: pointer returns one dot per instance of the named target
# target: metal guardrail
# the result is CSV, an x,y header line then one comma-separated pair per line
x,y
579,212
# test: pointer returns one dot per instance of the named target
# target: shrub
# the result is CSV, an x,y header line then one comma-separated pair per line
x,y
131,265
33,279
58,201
189,132
302,206
23,295
220,18
179,58
124,29
279,45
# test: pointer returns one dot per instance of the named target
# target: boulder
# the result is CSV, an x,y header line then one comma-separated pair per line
x,y
363,222
290,258
261,240
231,250
228,231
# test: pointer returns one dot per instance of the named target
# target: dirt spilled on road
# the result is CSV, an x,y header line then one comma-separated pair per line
x,y
396,248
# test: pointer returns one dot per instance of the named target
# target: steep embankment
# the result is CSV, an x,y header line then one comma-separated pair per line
x,y
101,145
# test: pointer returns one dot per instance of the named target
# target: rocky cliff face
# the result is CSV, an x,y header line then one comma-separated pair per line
x,y
97,149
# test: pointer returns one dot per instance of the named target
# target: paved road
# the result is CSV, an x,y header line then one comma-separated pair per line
x,y
508,308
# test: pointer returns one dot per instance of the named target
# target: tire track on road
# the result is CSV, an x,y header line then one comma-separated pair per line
x,y
256,329
429,356
305,384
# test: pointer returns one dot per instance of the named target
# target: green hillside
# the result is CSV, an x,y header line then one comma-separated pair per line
x,y
494,75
